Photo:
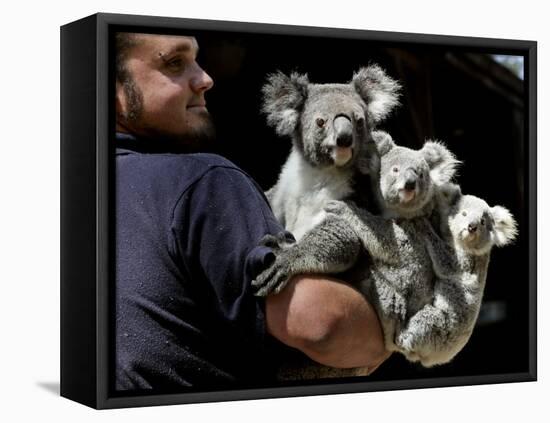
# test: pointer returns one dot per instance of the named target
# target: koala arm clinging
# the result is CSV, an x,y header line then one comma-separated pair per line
x,y
375,233
444,260
438,331
330,247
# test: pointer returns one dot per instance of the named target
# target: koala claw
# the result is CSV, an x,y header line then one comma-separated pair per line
x,y
405,342
272,280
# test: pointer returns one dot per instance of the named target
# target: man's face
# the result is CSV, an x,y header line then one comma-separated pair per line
x,y
166,96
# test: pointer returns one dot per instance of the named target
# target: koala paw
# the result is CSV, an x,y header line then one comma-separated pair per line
x,y
405,341
279,241
271,241
273,279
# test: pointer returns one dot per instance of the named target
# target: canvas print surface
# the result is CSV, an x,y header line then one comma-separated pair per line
x,y
299,210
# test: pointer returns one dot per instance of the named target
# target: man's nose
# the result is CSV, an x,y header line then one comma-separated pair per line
x,y
201,81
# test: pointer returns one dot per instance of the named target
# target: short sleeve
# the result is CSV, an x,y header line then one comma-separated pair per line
x,y
217,227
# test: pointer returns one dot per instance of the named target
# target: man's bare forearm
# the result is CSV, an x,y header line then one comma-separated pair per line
x,y
328,320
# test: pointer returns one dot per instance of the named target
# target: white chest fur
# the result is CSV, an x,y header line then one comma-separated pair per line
x,y
302,191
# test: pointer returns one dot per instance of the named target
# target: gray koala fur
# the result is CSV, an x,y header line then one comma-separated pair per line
x,y
331,128
470,228
397,276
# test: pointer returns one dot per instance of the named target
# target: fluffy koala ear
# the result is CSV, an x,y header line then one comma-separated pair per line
x,y
378,90
442,162
378,144
505,226
283,97
383,142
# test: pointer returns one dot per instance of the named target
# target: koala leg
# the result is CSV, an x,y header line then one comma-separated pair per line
x,y
444,260
441,328
330,247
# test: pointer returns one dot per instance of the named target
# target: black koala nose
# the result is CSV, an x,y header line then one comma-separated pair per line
x,y
410,184
344,140
472,228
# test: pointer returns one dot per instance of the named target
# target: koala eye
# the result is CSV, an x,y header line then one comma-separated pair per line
x,y
464,213
483,221
395,169
320,122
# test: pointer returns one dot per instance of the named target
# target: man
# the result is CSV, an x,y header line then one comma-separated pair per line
x,y
188,229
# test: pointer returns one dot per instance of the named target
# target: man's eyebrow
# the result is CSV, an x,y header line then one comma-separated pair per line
x,y
182,47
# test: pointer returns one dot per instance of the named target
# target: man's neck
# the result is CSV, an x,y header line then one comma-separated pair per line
x,y
123,129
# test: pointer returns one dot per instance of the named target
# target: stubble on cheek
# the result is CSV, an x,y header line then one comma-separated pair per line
x,y
134,101
162,114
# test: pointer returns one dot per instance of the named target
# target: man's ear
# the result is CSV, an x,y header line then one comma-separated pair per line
x,y
283,98
505,226
441,161
378,90
120,100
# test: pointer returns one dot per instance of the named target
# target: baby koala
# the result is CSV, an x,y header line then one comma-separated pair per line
x,y
331,127
470,228
396,275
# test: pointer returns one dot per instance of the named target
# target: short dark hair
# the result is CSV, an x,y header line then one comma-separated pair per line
x,y
124,42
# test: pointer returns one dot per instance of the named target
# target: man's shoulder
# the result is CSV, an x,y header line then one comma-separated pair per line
x,y
175,173
208,161
168,164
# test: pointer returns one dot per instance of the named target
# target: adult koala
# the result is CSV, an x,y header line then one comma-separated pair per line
x,y
397,273
330,126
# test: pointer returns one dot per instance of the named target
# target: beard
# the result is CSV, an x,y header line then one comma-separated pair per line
x,y
198,136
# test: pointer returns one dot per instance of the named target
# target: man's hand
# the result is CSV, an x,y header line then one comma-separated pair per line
x,y
328,320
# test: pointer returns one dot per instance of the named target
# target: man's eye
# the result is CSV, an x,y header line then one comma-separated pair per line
x,y
174,64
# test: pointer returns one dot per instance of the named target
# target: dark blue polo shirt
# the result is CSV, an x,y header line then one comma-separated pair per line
x,y
187,233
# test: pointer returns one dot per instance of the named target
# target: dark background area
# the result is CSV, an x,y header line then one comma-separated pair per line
x,y
461,97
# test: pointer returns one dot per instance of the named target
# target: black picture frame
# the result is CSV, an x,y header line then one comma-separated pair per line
x,y
87,200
